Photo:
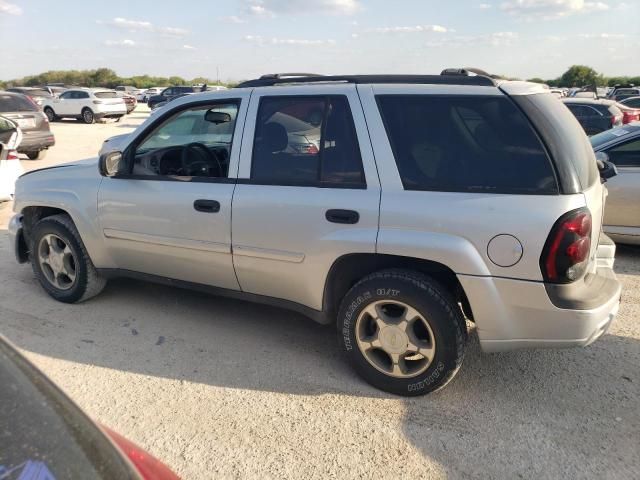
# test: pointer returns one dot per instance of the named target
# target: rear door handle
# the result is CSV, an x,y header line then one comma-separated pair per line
x,y
207,206
342,216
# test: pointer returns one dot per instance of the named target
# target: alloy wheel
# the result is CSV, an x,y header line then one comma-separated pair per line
x,y
395,338
57,262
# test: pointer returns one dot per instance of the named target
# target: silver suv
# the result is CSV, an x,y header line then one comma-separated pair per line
x,y
398,207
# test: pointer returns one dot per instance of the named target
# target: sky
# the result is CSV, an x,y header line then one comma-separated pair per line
x,y
241,39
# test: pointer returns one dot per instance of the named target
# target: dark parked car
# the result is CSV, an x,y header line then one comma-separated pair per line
x,y
35,94
621,92
37,136
170,93
595,116
45,436
633,102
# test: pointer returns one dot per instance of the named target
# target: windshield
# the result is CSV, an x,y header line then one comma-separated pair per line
x,y
609,135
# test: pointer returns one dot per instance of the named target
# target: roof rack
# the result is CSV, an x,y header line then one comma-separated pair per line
x,y
450,76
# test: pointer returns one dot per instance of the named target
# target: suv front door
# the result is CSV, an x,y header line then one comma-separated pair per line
x,y
170,216
307,193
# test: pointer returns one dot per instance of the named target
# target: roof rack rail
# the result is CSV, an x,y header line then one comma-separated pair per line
x,y
446,78
288,75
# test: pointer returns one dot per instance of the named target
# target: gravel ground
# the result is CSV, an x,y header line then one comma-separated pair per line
x,y
225,389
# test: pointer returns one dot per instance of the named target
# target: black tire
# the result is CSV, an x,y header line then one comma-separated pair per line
x,y
88,116
36,155
433,302
51,116
87,282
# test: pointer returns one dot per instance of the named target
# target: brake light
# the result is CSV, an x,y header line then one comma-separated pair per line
x,y
12,155
148,466
566,252
629,116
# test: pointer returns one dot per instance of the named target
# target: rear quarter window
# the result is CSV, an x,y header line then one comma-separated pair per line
x,y
106,94
565,139
465,143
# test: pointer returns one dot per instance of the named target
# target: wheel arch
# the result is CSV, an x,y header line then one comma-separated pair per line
x,y
348,269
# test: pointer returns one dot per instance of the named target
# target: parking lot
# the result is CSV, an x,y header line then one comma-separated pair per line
x,y
221,388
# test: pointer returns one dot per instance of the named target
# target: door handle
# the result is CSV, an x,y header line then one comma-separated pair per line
x,y
207,206
342,216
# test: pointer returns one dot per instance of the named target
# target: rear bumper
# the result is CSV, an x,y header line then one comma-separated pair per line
x,y
37,140
513,314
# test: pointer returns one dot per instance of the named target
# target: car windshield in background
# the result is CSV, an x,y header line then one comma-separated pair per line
x,y
608,136
107,95
16,103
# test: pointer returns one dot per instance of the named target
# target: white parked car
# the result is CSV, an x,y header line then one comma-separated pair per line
x,y
10,166
86,104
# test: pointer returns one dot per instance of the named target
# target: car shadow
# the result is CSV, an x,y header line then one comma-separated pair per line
x,y
524,414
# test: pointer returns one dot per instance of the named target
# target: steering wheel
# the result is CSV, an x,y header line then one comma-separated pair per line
x,y
202,165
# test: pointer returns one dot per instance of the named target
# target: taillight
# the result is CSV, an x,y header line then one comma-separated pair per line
x,y
148,466
566,253
12,155
629,116
98,102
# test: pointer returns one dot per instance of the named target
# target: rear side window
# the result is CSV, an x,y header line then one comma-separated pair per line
x,y
16,103
306,141
465,143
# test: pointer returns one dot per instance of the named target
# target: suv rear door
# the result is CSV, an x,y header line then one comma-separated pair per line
x,y
307,193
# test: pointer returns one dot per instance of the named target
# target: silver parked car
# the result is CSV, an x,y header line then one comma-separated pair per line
x,y
621,146
397,207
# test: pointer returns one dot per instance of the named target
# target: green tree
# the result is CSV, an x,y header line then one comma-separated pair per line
x,y
536,80
580,76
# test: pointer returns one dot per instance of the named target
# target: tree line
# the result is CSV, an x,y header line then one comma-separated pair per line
x,y
582,76
101,77
575,76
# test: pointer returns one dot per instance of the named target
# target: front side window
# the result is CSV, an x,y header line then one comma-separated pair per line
x,y
67,95
465,143
195,142
626,155
306,141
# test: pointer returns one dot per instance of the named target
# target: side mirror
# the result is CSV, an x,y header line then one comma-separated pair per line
x,y
605,167
216,117
111,164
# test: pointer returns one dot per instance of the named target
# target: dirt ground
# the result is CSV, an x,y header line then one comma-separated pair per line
x,y
224,389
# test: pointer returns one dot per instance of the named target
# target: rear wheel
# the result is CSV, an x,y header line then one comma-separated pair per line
x,y
51,116
88,116
402,332
36,155
60,261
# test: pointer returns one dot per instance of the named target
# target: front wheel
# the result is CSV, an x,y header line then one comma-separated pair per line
x,y
61,263
402,332
88,116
